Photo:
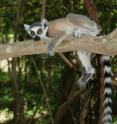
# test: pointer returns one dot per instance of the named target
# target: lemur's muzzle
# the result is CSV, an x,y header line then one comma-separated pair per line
x,y
37,38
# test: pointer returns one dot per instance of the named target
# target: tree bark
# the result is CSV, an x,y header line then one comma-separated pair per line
x,y
106,45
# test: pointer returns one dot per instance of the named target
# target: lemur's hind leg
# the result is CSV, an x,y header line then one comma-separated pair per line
x,y
89,70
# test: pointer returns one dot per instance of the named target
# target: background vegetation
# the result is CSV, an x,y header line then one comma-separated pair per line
x,y
39,89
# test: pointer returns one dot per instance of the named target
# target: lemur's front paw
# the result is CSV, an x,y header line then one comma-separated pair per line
x,y
50,52
84,79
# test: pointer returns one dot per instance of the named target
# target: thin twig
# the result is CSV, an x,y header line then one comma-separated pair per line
x,y
44,90
62,109
32,117
43,11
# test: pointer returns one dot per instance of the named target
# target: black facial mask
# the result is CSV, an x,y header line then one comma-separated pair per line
x,y
37,38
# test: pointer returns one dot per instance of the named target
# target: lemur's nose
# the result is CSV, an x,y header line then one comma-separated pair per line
x,y
37,38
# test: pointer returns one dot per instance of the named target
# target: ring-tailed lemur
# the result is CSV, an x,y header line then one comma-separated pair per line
x,y
76,25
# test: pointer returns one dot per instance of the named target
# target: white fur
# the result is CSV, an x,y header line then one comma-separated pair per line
x,y
108,109
107,69
106,101
27,28
108,91
107,118
107,80
105,58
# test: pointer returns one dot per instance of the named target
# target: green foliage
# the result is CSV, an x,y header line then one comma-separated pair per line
x,y
4,76
115,120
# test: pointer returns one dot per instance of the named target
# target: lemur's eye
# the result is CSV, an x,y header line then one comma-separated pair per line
x,y
32,33
39,31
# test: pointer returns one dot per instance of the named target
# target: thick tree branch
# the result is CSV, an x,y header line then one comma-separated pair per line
x,y
102,45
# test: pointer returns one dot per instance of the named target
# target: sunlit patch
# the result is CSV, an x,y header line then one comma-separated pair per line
x,y
5,115
8,49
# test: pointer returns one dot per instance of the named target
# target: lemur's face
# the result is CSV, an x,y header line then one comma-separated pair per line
x,y
37,30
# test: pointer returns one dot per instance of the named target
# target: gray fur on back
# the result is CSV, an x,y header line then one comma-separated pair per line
x,y
35,24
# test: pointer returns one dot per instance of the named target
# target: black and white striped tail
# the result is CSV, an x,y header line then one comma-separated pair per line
x,y
107,119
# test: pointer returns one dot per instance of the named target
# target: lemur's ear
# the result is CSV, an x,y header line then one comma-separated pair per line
x,y
44,22
27,28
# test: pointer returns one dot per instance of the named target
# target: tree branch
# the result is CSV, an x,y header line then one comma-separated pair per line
x,y
102,45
